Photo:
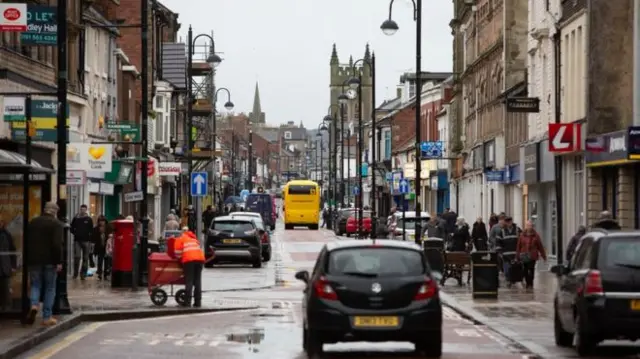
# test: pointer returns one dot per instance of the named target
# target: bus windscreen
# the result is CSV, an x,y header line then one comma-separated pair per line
x,y
301,189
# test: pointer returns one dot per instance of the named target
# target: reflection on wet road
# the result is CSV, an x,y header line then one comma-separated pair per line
x,y
265,333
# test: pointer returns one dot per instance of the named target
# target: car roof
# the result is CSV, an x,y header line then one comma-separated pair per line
x,y
358,243
245,214
412,214
232,219
599,233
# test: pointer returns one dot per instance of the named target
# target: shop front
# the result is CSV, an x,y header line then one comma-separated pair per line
x,y
513,187
612,180
539,177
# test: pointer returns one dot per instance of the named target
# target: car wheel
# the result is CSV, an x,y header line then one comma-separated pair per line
x,y
266,257
314,344
288,226
563,338
582,340
431,345
257,263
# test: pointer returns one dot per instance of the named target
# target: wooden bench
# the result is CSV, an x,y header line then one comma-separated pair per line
x,y
455,264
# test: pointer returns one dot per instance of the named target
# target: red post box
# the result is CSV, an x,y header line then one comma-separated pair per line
x,y
124,237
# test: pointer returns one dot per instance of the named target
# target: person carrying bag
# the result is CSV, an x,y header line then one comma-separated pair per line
x,y
528,251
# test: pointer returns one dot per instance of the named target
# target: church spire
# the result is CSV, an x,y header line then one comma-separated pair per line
x,y
256,115
367,53
334,56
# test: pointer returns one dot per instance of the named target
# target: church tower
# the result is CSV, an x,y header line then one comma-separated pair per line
x,y
339,75
256,116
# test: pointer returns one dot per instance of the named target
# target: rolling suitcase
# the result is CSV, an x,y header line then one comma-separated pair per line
x,y
516,272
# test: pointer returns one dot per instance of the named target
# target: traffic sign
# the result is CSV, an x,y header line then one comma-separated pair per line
x,y
431,149
356,190
244,194
565,137
403,186
199,184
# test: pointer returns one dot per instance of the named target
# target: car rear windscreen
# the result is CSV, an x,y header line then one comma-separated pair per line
x,y
301,189
620,252
232,226
375,262
410,223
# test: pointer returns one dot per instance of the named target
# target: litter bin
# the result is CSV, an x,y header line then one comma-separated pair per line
x,y
484,273
434,251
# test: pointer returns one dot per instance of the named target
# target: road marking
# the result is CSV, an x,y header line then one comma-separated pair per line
x,y
67,341
187,315
469,333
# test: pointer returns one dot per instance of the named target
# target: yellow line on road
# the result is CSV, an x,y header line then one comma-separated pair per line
x,y
67,341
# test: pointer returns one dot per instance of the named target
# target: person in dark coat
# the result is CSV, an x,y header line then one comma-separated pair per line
x,y
574,242
99,238
81,228
435,229
450,217
606,222
45,243
208,215
493,220
479,235
460,238
8,265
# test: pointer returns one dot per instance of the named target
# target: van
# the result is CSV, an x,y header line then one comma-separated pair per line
x,y
263,204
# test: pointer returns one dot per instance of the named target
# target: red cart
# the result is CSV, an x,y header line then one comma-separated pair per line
x,y
165,271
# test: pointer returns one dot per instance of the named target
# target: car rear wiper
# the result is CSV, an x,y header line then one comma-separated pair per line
x,y
361,274
628,265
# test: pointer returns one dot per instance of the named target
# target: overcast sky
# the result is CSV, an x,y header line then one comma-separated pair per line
x,y
285,45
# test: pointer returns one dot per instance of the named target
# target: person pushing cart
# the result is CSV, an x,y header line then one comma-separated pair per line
x,y
189,253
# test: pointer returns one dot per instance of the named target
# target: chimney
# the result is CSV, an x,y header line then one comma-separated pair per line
x,y
398,92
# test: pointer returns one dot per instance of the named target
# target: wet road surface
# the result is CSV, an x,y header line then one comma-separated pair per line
x,y
264,333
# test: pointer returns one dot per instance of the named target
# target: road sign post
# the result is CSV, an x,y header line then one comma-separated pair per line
x,y
199,184
403,187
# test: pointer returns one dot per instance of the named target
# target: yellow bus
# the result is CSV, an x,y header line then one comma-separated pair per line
x,y
301,204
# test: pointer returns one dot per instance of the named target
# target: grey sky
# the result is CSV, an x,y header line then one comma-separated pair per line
x,y
285,45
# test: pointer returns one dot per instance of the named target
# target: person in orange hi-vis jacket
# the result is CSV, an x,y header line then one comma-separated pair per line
x,y
188,251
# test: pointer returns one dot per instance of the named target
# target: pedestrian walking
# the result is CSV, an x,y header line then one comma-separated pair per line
x,y
495,234
605,221
172,223
507,245
207,216
45,243
435,229
493,220
8,266
460,238
479,235
99,239
528,251
574,242
81,228
188,251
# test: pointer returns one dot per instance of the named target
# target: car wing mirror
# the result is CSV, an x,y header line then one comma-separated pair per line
x,y
303,276
560,270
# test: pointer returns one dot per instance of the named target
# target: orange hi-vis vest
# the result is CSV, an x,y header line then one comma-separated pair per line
x,y
187,248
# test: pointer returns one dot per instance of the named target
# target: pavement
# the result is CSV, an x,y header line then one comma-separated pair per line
x,y
517,325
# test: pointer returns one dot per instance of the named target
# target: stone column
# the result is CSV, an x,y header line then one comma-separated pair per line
x,y
594,194
625,197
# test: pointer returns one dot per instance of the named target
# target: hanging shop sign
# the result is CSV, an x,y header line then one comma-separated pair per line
x,y
523,104
90,157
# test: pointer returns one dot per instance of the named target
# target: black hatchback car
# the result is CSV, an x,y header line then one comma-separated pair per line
x,y
598,296
372,290
235,240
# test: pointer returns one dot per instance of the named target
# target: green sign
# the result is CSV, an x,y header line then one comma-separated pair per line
x,y
42,26
41,110
45,135
128,131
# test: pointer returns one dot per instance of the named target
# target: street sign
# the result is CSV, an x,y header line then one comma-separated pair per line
x,y
136,196
633,143
356,190
565,137
431,150
523,104
42,28
199,183
244,194
403,186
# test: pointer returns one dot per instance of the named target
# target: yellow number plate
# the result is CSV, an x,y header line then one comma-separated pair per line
x,y
376,322
635,304
232,241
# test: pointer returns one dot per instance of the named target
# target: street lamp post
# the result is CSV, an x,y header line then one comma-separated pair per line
x,y
322,127
228,106
333,159
250,162
390,27
343,99
356,83
213,60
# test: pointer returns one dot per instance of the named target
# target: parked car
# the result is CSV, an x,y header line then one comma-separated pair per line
x,y
265,239
598,295
353,223
410,220
341,220
234,240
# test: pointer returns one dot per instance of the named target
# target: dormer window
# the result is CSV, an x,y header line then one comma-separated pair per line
x,y
287,135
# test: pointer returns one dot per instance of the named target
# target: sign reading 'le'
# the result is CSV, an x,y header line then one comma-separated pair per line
x,y
565,137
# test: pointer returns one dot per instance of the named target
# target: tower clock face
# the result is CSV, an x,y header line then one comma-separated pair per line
x,y
352,94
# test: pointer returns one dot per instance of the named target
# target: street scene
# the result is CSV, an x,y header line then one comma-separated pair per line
x,y
324,179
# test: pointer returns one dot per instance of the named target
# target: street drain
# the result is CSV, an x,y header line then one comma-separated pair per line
x,y
268,315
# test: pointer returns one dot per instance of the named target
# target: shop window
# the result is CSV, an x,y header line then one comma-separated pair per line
x,y
95,206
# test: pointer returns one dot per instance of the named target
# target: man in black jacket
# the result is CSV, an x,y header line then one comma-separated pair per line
x,y
8,265
45,243
81,228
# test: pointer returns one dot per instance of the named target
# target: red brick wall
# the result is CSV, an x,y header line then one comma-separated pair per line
x,y
403,128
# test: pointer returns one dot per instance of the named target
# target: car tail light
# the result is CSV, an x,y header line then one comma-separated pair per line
x,y
264,238
593,283
324,289
427,290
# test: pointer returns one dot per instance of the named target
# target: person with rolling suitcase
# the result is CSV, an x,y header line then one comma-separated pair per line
x,y
528,251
